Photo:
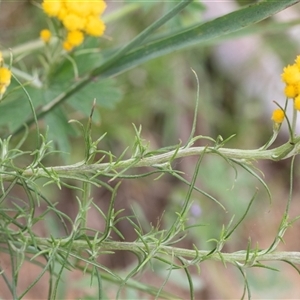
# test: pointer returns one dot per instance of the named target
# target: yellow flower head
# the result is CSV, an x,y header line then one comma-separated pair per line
x,y
291,74
5,76
73,22
75,38
52,8
79,8
63,12
278,116
297,103
291,90
94,26
45,35
98,7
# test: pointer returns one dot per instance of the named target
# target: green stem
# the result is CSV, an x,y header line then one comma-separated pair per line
x,y
158,160
139,247
86,186
294,121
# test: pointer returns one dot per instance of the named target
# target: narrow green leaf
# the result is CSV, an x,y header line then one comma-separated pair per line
x,y
143,35
201,33
198,34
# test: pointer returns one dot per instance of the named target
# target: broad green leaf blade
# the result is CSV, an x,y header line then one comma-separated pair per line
x,y
106,93
15,108
60,130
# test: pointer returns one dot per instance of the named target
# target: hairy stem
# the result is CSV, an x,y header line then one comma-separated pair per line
x,y
158,160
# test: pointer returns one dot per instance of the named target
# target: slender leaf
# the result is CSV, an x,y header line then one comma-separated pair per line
x,y
196,35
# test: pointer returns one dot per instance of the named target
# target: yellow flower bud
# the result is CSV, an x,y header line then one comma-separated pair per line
x,y
278,115
45,35
67,46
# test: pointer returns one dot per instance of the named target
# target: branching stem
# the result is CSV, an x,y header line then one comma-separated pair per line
x,y
137,247
156,160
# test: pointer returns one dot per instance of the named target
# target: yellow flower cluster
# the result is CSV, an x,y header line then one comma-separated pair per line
x,y
5,77
78,17
291,78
